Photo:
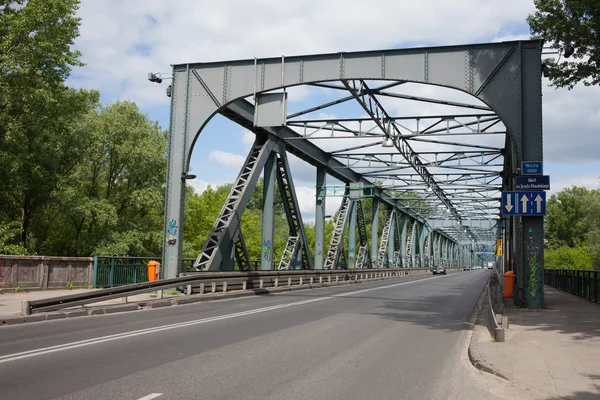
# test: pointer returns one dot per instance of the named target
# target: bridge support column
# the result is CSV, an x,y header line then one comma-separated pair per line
x,y
320,218
268,217
391,241
352,237
375,233
531,280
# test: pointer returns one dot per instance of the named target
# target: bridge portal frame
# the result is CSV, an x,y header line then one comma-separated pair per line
x,y
506,76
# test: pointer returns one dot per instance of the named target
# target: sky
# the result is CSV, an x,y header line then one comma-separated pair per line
x,y
121,41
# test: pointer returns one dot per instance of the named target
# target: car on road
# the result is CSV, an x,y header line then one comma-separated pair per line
x,y
439,271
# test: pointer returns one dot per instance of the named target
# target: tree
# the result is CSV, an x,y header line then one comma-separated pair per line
x,y
567,218
575,26
112,201
38,143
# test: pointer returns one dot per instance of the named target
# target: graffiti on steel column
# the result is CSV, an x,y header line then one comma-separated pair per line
x,y
266,250
534,285
172,233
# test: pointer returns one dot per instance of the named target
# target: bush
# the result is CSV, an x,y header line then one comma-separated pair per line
x,y
566,257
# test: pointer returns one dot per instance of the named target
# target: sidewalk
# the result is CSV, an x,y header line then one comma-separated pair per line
x,y
10,303
554,352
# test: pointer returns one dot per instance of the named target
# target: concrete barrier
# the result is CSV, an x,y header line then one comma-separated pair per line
x,y
43,273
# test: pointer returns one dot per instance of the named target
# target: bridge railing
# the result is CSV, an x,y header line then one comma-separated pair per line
x,y
258,280
111,271
582,283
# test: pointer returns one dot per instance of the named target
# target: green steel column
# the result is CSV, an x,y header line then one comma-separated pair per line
x,y
320,218
531,120
374,232
390,243
352,236
268,217
401,234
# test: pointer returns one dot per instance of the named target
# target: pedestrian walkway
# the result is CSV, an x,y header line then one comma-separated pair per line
x,y
10,302
555,352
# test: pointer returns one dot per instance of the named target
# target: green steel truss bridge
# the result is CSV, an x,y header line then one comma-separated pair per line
x,y
435,178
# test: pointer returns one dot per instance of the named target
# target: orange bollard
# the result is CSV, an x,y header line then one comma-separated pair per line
x,y
153,270
509,283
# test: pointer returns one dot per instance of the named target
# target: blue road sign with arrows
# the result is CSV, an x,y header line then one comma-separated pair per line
x,y
524,203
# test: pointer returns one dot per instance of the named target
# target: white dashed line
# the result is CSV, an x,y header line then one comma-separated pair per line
x,y
151,396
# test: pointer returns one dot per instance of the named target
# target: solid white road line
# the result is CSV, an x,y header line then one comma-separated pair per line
x,y
151,396
109,338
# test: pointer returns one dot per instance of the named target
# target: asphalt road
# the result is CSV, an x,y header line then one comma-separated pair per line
x,y
394,339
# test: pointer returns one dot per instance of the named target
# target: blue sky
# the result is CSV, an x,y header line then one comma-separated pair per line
x,y
122,41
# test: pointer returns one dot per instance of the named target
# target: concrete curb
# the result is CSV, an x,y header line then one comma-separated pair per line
x,y
159,303
474,355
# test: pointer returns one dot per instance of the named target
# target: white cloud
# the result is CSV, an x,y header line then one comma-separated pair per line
x,y
200,186
123,41
248,139
560,181
225,159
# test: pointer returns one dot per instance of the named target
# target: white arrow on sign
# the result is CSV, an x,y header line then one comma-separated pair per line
x,y
524,201
508,205
538,201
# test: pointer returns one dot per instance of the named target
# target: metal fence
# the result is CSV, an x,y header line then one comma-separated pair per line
x,y
582,283
111,271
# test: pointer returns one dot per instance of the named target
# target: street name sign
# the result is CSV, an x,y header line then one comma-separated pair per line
x,y
540,182
532,168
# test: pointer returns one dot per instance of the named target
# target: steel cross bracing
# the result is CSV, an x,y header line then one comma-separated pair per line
x,y
364,254
374,108
228,221
336,244
427,249
382,256
241,252
292,211
242,112
288,253
397,258
469,175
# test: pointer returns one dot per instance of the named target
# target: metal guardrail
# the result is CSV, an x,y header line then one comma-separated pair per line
x,y
582,283
79,299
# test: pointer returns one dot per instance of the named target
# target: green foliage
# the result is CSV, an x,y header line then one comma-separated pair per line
x,y
572,229
9,234
415,202
574,22
39,144
202,211
111,202
593,246
569,216
566,257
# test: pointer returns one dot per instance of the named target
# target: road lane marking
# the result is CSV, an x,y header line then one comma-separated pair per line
x,y
151,396
73,345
